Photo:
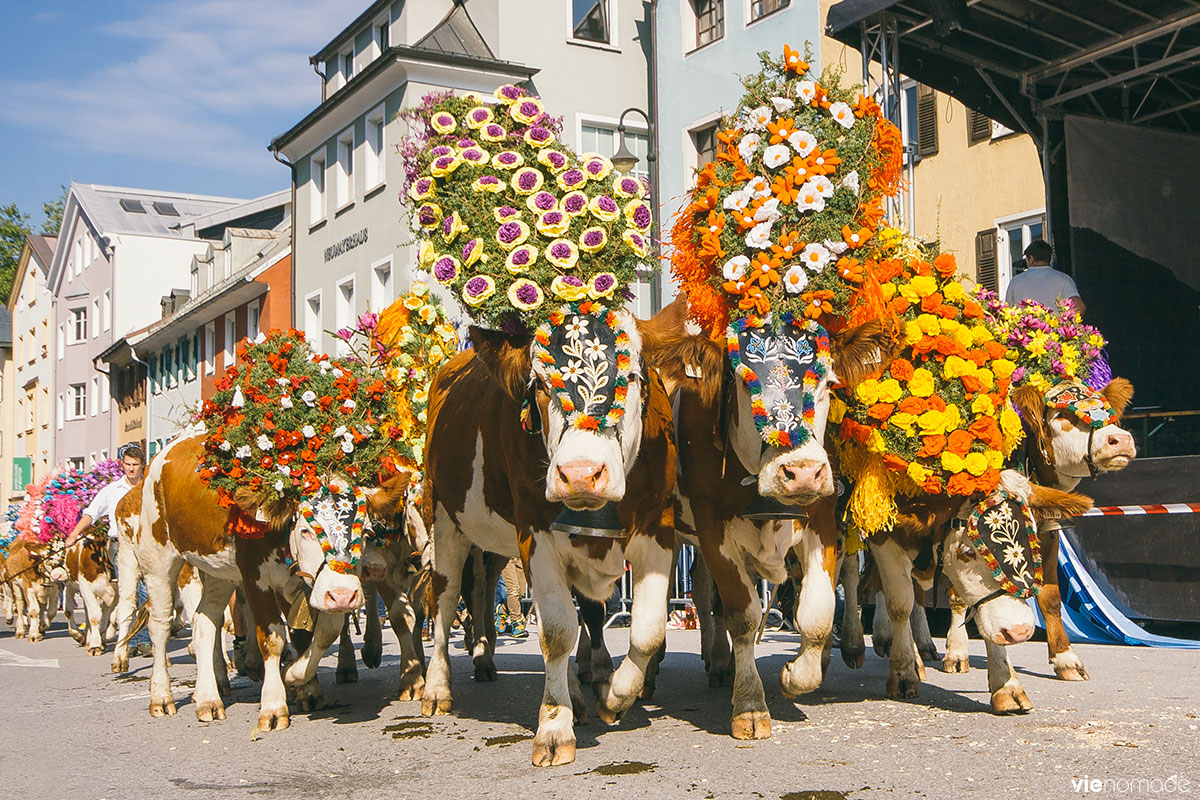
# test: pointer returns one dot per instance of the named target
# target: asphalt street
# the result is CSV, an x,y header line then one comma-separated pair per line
x,y
71,729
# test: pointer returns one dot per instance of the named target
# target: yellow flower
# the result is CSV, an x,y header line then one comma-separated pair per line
x,y
426,253
875,442
980,334
924,285
912,332
995,459
888,290
567,291
904,421
952,462
933,422
976,463
954,292
916,473
950,326
988,379
837,410
868,392
962,335
957,367
982,406
921,383
1010,426
929,324
890,391
952,417
1037,345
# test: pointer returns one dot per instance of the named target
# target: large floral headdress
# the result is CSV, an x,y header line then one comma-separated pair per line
x,y
514,222
1047,345
68,493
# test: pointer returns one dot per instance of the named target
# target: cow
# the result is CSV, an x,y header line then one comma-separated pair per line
x,y
86,568
723,465
36,597
176,518
1061,450
498,479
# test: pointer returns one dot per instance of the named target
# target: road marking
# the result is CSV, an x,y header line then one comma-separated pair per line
x,y
11,659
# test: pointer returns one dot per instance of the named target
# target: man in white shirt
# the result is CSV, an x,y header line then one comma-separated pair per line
x,y
104,504
1041,282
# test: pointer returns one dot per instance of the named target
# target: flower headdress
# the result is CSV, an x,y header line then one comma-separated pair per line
x,y
1047,345
284,420
68,493
514,222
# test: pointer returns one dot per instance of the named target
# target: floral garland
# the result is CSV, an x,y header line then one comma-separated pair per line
x,y
1047,345
773,434
68,493
939,420
510,218
785,217
30,517
995,512
284,420
9,536
579,373
348,540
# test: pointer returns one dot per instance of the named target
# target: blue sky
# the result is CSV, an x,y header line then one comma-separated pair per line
x,y
157,94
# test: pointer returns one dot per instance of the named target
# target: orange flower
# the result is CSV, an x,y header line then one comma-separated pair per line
x,y
912,405
945,265
710,235
947,311
764,270
902,369
817,303
707,201
755,300
781,129
872,212
784,188
820,96
894,462
959,442
787,247
960,483
881,411
994,349
850,270
867,107
823,162
855,238
932,446
898,305
741,172
987,431
972,310
930,303
936,403
792,61
978,357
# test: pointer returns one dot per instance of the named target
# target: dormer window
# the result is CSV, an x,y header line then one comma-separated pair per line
x,y
348,66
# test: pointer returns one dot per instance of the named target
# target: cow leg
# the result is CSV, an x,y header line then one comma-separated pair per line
x,y
347,663
854,648
301,676
206,624
1008,697
596,666
1067,665
50,608
127,578
881,627
922,638
372,648
558,629
895,573
815,607
20,611
96,615
254,659
35,598
272,640
957,658
160,598
450,551
710,616
412,656
651,564
483,614
69,589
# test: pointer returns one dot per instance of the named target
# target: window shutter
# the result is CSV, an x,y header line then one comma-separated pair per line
x,y
927,134
979,127
985,259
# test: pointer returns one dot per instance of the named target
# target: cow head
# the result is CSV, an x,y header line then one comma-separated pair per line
x,y
579,380
1076,428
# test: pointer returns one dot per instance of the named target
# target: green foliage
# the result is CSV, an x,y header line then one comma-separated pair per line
x,y
53,211
14,227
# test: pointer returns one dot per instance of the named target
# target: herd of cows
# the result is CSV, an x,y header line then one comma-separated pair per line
x,y
684,463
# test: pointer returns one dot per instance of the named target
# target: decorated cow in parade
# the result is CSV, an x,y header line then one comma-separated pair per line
x,y
550,439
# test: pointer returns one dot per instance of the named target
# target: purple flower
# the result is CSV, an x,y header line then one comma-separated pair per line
x,y
489,180
507,157
509,232
594,167
506,211
445,270
557,160
593,238
560,250
510,92
539,135
466,143
574,203
552,217
476,286
641,216
520,257
527,293
479,114
473,154
604,282
606,204
344,334
447,225
572,280
572,177
494,130
443,162
529,108
423,185
440,150
527,180
368,321
469,247
544,201
425,216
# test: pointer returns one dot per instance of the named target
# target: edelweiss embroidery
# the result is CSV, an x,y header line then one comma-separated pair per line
x,y
585,352
1003,525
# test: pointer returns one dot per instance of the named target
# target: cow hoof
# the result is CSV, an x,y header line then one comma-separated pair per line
x,y
309,696
35,637
210,711
1071,674
751,725
435,702
76,634
929,654
346,675
553,750
647,691
1010,699
1069,667
412,689
163,707
485,672
854,657
95,651
921,671
956,663
276,720
19,635
372,657
120,663
608,712
901,688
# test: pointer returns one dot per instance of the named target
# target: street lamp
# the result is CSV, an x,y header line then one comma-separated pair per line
x,y
624,160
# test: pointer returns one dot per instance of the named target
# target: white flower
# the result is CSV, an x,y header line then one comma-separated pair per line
x,y
782,104
243,452
757,118
768,211
759,236
747,146
837,248
262,337
851,181
577,327
226,446
808,90
735,201
238,401
366,430
735,268
776,156
279,486
842,114
344,505
325,367
572,371
822,185
347,446
324,508
757,187
309,431
263,442
284,469
795,280
285,401
340,430
349,404
815,257
309,398
810,198
802,142
337,373
595,348
282,381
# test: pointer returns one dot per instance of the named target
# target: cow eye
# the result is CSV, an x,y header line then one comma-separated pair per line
x,y
965,553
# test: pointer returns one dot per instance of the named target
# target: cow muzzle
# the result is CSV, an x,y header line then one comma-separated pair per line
x,y
1115,449
582,485
341,599
798,482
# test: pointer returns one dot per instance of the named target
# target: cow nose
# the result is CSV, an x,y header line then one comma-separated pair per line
x,y
803,478
582,477
342,599
1120,440
1015,634
374,572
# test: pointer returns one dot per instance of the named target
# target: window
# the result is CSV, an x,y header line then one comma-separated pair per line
x,y
603,139
94,396
60,412
78,401
381,285
227,261
979,127
316,191
210,348
75,463
760,8
1013,235
252,313
347,60
155,387
312,319
382,35
343,311
344,176
106,309
373,172
230,335
195,279
96,316
104,393
78,325
210,274
78,254
62,340
710,20
705,141
591,21
44,408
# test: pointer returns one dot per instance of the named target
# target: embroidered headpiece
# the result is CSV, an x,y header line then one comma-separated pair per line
x,y
1088,405
336,518
1001,528
782,367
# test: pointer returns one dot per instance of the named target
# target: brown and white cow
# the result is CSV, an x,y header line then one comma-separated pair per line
x,y
723,465
35,595
175,518
1060,450
85,568
496,483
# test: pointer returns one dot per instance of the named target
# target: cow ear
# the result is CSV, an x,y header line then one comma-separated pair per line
x,y
387,501
1030,403
665,328
1050,503
693,364
858,353
506,357
1118,393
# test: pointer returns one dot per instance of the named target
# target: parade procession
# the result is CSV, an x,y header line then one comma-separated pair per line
x,y
647,450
